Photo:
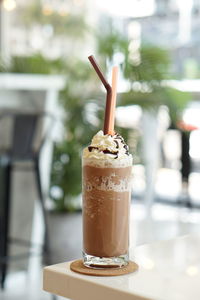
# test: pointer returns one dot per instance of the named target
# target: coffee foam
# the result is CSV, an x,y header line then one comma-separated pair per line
x,y
107,184
108,163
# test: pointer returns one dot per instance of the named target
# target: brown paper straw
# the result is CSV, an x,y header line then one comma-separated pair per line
x,y
109,93
113,101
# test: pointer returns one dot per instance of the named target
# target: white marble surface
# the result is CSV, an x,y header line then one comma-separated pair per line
x,y
168,270
167,222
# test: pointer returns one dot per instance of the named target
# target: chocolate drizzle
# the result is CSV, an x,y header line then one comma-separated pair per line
x,y
90,148
117,144
127,149
107,151
117,139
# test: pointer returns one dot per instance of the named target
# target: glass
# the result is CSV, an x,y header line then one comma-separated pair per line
x,y
106,208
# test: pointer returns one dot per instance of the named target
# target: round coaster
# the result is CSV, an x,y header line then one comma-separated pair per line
x,y
78,267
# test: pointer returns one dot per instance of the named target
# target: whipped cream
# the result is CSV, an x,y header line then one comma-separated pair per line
x,y
107,147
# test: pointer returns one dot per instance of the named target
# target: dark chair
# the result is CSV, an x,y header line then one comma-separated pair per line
x,y
185,165
22,149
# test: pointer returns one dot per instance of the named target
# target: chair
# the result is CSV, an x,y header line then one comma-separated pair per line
x,y
185,166
22,149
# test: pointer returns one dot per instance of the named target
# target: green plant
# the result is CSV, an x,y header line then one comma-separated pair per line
x,y
145,75
66,174
72,24
35,64
66,168
82,93
153,65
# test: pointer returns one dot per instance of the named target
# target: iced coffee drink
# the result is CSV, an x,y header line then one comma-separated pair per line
x,y
107,168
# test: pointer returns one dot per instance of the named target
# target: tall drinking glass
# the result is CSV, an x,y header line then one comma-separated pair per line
x,y
106,207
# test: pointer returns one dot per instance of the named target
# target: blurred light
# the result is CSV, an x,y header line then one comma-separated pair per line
x,y
57,166
148,263
128,8
191,116
134,33
63,13
56,192
64,158
192,270
134,52
172,137
48,30
134,45
118,58
62,8
128,116
195,144
137,86
37,41
78,2
185,5
186,85
47,10
185,16
91,110
194,192
134,30
9,4
173,179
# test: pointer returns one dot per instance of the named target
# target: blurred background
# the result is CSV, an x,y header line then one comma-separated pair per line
x,y
52,103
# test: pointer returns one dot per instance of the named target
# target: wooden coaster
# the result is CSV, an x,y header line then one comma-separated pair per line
x,y
78,267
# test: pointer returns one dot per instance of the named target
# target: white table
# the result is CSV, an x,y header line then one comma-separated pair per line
x,y
168,270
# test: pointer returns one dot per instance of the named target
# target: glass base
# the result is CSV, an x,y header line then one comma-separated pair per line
x,y
96,262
